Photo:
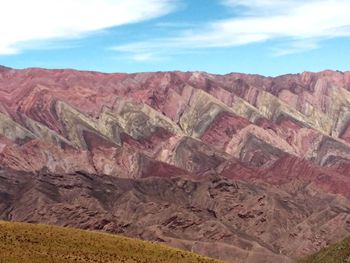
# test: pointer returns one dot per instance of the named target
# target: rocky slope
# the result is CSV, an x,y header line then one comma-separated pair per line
x,y
226,219
85,144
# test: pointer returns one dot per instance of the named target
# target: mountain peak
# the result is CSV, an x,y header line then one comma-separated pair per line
x,y
4,68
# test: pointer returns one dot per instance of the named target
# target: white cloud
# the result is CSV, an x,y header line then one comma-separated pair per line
x,y
300,24
143,57
22,21
297,46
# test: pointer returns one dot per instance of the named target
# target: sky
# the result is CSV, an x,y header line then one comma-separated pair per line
x,y
267,37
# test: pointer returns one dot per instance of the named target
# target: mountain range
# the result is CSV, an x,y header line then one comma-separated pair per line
x,y
242,168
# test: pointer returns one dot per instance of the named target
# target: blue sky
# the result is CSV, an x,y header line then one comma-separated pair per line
x,y
268,37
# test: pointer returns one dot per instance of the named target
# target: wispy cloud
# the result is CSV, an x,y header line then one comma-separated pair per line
x,y
24,21
143,57
292,47
175,25
300,24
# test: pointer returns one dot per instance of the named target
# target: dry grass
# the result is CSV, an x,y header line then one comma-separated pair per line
x,y
338,253
51,244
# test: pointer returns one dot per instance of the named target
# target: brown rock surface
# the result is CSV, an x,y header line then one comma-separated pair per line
x,y
222,218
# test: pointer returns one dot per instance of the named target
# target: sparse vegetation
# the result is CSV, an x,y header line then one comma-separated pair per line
x,y
337,253
28,243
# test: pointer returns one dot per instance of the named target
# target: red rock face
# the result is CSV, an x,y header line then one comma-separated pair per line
x,y
290,132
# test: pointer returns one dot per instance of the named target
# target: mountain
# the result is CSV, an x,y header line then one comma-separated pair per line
x,y
41,243
243,168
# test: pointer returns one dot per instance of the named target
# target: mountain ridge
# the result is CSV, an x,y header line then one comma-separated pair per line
x,y
324,71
